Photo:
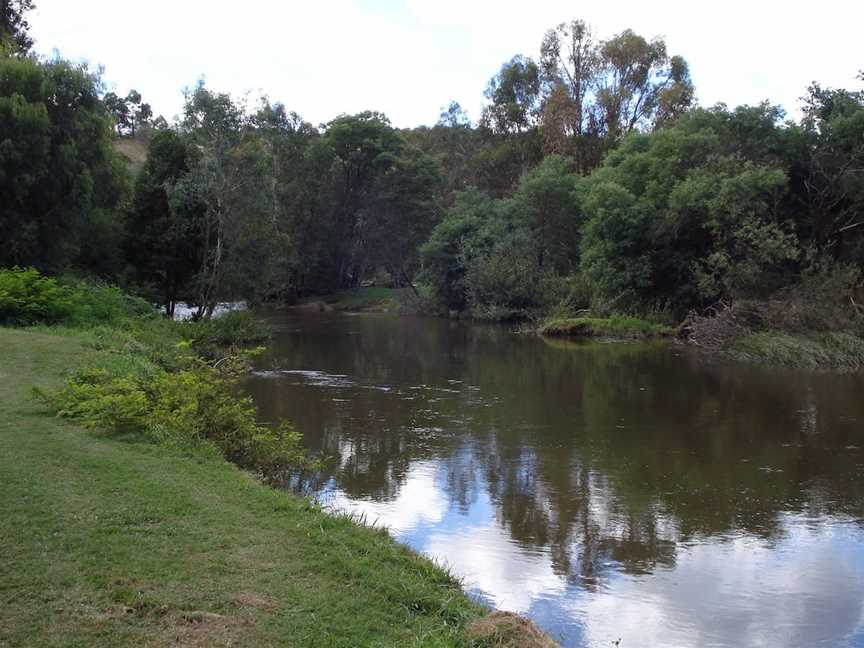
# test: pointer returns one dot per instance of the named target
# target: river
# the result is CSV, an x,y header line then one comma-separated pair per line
x,y
609,491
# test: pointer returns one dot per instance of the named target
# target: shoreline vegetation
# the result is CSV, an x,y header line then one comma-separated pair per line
x,y
157,499
580,188
586,200
615,327
802,347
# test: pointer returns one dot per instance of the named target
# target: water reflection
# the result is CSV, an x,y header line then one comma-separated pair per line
x,y
608,491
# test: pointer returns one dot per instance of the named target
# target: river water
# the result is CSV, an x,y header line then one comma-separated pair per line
x,y
609,491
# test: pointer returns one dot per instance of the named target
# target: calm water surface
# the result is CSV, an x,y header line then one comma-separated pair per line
x,y
607,491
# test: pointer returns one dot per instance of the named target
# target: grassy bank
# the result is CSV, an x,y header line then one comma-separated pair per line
x,y
617,326
113,541
835,350
369,300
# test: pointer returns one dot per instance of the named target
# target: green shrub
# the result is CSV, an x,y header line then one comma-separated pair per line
x,y
95,303
230,331
26,297
195,409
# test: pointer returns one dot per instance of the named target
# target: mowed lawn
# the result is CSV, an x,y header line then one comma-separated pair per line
x,y
113,542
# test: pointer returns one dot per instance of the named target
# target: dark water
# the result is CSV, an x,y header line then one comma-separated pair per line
x,y
608,491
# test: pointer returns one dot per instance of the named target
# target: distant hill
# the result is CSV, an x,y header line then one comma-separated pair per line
x,y
134,149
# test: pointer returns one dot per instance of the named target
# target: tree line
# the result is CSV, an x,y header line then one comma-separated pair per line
x,y
591,180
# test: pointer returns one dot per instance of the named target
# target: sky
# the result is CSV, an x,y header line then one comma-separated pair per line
x,y
410,58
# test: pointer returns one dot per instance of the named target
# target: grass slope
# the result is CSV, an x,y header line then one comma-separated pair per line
x,y
110,542
134,150
369,300
834,350
617,326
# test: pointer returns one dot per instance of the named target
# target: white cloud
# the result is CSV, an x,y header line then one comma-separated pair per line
x,y
419,501
326,57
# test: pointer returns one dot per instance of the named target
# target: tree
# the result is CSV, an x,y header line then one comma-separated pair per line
x,y
453,142
129,112
570,62
229,180
119,110
14,36
383,191
454,116
547,205
598,91
831,179
59,177
514,96
680,218
164,245
138,112
452,244
401,212
637,79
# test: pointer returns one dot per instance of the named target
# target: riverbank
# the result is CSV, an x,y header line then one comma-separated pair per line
x,y
114,541
608,327
838,350
357,300
803,333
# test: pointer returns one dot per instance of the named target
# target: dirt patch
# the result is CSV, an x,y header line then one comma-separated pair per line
x,y
508,630
194,629
257,601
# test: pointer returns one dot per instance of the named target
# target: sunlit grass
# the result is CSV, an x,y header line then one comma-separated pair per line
x,y
111,542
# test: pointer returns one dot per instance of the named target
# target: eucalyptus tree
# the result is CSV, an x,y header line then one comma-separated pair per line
x,y
229,180
597,91
15,38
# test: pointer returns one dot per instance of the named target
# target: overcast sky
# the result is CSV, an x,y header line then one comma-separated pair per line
x,y
409,58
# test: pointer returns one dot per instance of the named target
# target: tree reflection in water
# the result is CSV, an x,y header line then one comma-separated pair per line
x,y
609,490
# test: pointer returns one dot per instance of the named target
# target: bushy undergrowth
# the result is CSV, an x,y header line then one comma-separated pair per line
x,y
813,324
232,330
154,376
27,297
195,409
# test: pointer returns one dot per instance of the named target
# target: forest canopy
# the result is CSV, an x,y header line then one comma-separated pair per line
x,y
593,180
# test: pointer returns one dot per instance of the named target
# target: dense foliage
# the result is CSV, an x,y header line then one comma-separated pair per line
x,y
194,409
173,382
590,182
61,185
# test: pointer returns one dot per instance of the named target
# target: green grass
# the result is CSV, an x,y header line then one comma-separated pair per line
x,y
111,542
364,299
819,351
616,326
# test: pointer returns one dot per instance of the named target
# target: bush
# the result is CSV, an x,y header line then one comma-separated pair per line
x,y
101,304
26,297
195,409
229,331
